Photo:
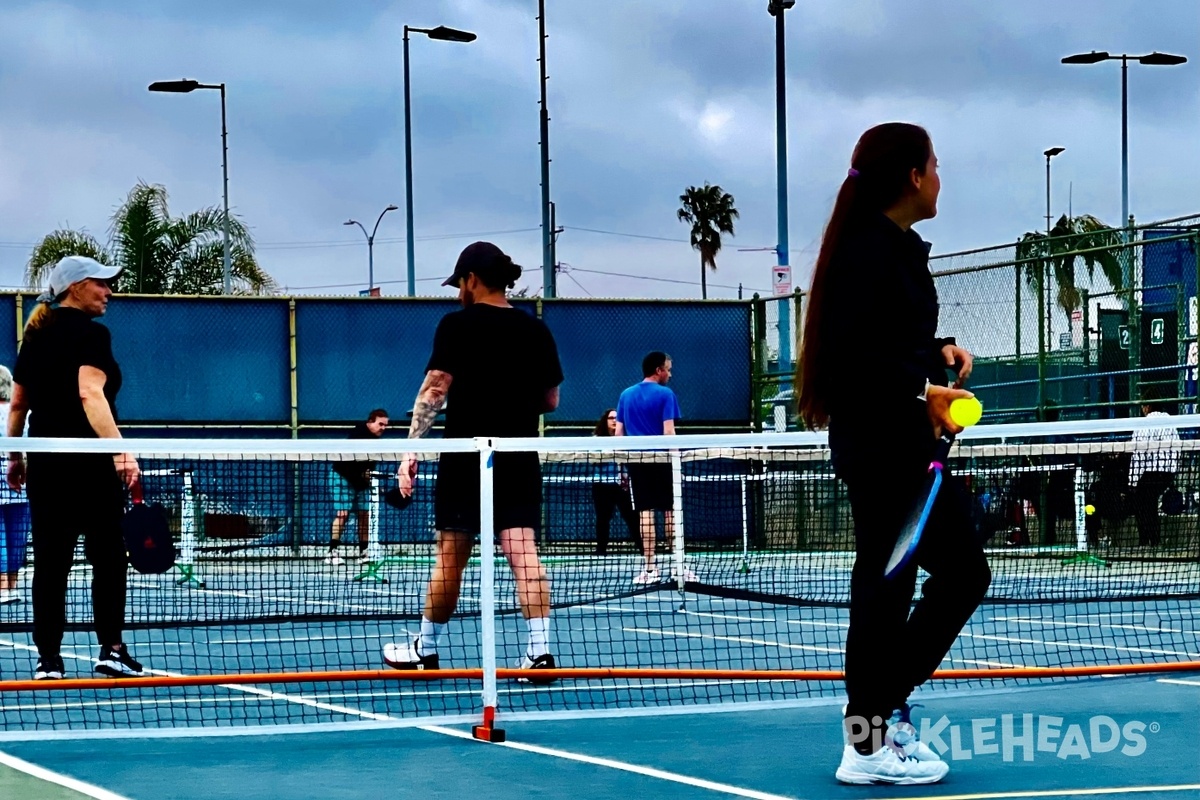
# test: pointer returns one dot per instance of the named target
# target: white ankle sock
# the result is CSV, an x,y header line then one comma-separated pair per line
x,y
539,636
431,634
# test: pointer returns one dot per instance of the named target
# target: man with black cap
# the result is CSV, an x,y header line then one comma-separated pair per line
x,y
498,367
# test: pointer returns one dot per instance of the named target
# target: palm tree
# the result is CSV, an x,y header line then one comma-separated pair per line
x,y
710,212
161,254
1072,238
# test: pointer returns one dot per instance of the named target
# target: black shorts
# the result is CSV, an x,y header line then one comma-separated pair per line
x,y
653,487
517,495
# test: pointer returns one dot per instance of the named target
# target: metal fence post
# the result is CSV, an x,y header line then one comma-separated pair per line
x,y
1017,322
20,320
1041,358
1087,347
297,483
758,346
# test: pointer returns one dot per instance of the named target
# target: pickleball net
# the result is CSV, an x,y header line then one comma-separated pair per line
x,y
1091,530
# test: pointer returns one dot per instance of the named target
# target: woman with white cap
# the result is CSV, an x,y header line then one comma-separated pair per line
x,y
67,380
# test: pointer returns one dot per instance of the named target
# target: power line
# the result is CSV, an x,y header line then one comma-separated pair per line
x,y
663,280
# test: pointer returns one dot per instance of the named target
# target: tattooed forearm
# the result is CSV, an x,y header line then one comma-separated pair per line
x,y
425,411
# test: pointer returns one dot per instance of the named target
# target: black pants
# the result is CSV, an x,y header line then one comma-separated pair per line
x,y
606,498
1059,488
69,496
890,651
1146,497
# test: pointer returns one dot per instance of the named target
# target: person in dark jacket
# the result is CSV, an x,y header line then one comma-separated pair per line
x,y
67,380
350,485
874,370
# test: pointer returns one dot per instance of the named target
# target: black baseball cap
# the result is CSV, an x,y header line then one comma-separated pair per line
x,y
482,258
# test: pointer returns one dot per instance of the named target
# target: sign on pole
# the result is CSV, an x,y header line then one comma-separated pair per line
x,y
1157,330
781,280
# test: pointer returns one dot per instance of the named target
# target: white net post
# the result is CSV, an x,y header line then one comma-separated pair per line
x,y
679,557
744,485
487,591
1081,542
187,533
374,545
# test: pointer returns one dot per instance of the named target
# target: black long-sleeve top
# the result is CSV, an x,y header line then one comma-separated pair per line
x,y
879,340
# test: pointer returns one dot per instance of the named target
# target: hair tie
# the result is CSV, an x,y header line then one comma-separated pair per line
x,y
853,173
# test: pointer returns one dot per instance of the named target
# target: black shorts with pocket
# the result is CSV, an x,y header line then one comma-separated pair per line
x,y
517,495
653,487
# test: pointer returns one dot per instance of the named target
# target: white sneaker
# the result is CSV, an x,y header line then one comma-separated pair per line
x,y
646,576
333,559
902,733
888,766
9,596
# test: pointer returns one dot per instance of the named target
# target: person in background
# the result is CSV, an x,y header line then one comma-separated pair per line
x,y
1152,468
350,484
649,408
14,511
611,491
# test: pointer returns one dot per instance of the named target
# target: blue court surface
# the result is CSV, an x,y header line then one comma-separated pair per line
x,y
1150,749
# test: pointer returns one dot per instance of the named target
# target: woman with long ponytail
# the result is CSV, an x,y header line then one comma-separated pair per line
x,y
873,370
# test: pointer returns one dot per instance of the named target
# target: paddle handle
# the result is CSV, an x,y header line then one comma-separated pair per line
x,y
941,452
135,493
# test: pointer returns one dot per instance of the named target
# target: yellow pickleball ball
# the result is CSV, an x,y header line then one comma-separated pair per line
x,y
1089,509
966,411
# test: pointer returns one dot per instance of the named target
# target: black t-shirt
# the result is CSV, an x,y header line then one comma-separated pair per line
x,y
356,472
48,369
502,361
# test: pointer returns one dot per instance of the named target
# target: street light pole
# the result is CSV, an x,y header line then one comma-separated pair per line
x,y
371,244
1049,154
776,8
549,279
441,33
227,266
408,180
1155,59
186,86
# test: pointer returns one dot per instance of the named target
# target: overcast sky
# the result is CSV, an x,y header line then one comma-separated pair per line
x,y
646,97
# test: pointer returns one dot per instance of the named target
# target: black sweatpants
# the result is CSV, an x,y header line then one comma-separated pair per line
x,y
893,647
1147,496
70,496
607,498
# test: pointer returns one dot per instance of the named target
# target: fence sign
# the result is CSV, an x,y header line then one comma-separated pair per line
x,y
781,280
1157,330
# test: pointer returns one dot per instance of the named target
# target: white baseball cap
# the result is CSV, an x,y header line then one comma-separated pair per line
x,y
73,269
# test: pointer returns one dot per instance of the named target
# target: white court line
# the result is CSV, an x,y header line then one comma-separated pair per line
x,y
1051,793
738,639
1082,645
815,624
648,772
275,640
1178,682
1054,623
43,774
252,690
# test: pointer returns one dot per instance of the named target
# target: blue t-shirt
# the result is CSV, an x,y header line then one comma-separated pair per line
x,y
645,406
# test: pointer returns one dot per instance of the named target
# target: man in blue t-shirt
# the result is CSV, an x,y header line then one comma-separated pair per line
x,y
649,408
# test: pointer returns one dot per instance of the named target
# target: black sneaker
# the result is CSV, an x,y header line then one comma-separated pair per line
x,y
544,661
407,656
118,663
49,668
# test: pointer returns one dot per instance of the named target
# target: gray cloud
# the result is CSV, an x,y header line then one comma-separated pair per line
x,y
646,98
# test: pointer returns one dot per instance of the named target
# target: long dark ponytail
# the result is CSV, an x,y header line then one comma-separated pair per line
x,y
880,175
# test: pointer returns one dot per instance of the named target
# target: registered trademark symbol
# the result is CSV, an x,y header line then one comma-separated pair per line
x,y
1155,727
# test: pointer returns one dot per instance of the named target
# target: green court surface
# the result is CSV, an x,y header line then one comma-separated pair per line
x,y
20,785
